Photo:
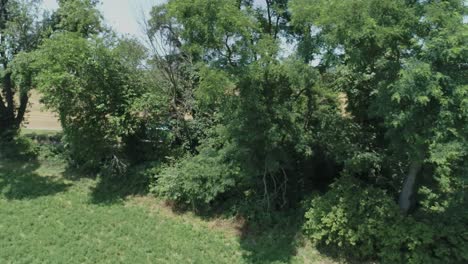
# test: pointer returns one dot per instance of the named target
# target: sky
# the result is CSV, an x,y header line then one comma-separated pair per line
x,y
122,15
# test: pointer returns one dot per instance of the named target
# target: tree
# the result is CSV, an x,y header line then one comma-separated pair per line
x,y
92,87
267,110
424,109
389,63
171,68
79,16
20,31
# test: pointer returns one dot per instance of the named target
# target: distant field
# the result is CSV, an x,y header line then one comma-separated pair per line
x,y
38,118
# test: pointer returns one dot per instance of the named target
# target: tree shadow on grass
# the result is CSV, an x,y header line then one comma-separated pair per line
x,y
115,189
75,174
277,243
19,181
273,241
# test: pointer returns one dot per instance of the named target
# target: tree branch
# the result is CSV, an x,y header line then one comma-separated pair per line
x,y
228,48
267,196
277,27
268,5
9,94
2,104
24,99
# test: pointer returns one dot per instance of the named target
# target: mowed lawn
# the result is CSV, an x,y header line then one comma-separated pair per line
x,y
48,215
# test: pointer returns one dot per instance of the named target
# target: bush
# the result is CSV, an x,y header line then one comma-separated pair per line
x,y
198,179
365,223
20,148
350,218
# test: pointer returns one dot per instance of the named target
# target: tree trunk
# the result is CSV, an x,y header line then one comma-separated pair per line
x,y
10,117
24,100
9,122
407,200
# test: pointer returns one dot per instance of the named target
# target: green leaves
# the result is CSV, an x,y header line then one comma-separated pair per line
x,y
373,90
22,73
80,16
211,27
92,90
21,30
214,87
364,222
198,180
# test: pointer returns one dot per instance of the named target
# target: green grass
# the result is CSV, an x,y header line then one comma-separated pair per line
x,y
28,132
47,215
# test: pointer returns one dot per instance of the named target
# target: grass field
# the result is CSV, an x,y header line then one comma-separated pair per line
x,y
51,215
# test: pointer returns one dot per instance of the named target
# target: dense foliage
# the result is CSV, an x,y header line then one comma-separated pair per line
x,y
365,223
254,106
21,30
85,84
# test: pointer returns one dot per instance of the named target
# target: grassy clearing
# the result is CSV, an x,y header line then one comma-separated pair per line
x,y
50,215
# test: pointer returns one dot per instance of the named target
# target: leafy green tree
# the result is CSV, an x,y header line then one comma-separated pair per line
x,y
79,16
269,111
425,109
89,81
402,68
91,86
171,69
20,31
400,64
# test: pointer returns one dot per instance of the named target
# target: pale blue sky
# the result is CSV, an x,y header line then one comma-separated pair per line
x,y
123,16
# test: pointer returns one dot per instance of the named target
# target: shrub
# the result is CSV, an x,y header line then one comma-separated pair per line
x,y
439,238
365,223
20,148
350,218
198,179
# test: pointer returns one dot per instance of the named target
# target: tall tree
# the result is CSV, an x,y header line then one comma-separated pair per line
x,y
171,68
266,110
20,31
402,66
91,86
90,80
79,16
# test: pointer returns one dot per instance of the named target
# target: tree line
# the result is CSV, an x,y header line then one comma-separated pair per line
x,y
356,110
